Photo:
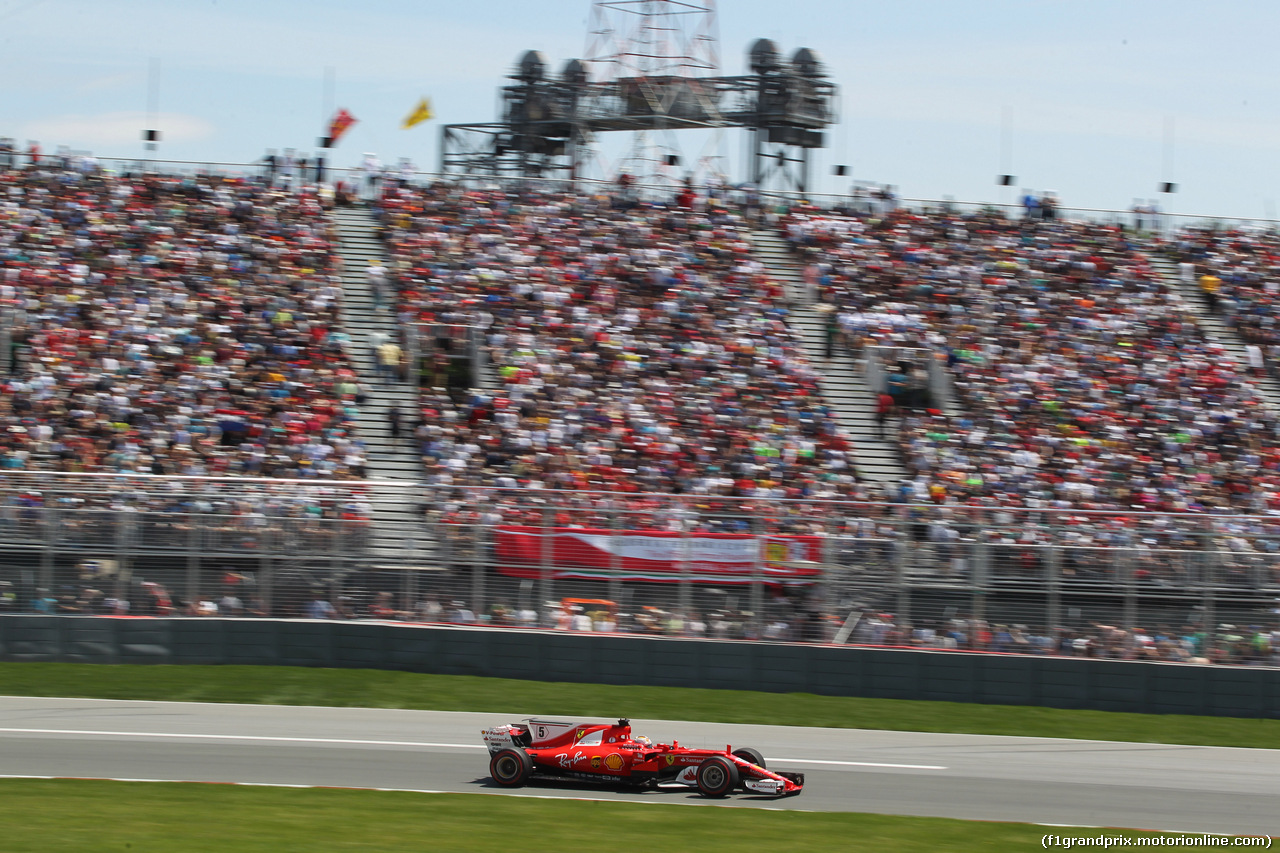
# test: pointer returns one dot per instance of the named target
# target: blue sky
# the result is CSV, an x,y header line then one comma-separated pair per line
x,y
1089,86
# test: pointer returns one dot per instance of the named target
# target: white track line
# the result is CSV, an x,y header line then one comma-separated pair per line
x,y
857,763
425,744
192,736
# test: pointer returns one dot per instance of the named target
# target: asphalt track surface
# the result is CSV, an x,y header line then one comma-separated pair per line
x,y
1035,780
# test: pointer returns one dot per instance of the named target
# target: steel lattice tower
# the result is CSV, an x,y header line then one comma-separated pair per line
x,y
649,43
652,68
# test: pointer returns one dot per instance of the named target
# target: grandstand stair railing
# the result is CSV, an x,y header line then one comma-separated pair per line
x,y
842,378
397,524
1217,331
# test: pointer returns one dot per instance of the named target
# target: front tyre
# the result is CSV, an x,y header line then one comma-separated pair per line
x,y
510,767
717,777
750,755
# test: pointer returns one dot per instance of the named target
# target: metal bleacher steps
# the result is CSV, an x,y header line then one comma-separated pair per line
x,y
842,381
1213,328
398,532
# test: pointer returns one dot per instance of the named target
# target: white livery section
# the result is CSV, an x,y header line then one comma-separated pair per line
x,y
763,786
499,737
542,731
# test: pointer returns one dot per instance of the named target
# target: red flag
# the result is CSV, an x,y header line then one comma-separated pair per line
x,y
341,122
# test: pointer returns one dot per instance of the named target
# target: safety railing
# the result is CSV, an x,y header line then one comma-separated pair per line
x,y
1165,587
853,200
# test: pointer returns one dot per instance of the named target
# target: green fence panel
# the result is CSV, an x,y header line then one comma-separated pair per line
x,y
252,641
1065,683
307,643
1236,693
465,651
200,640
34,638
671,663
781,669
1117,686
892,674
1177,690
726,666
833,671
411,648
144,640
617,660
1005,680
948,678
360,646
85,639
562,656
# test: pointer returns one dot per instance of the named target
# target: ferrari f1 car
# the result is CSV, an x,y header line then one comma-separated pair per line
x,y
610,755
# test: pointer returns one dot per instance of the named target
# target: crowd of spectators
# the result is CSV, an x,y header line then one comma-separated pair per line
x,y
640,348
1082,380
164,324
786,621
171,325
1238,272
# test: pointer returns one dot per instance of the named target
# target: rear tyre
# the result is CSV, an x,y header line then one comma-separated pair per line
x,y
510,767
747,754
717,777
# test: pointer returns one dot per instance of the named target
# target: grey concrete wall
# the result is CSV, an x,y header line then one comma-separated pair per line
x,y
551,656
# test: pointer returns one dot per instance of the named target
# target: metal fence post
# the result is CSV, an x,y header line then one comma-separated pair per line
x,y
757,582
615,559
1211,557
48,554
1054,610
902,535
266,584
981,572
545,587
477,570
1127,557
124,570
193,564
685,593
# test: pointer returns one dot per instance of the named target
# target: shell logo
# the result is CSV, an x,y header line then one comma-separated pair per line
x,y
613,761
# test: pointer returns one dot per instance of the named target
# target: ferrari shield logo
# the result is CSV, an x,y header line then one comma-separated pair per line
x,y
581,732
671,759
775,552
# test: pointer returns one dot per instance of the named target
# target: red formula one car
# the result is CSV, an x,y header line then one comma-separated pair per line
x,y
611,755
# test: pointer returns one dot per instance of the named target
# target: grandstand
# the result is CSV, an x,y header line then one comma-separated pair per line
x,y
193,416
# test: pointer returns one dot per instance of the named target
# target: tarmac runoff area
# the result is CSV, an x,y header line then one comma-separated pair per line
x,y
1191,789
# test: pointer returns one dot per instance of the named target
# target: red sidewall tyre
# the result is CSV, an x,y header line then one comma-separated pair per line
x,y
510,768
717,777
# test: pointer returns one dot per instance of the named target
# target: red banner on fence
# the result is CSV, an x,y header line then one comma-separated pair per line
x,y
721,558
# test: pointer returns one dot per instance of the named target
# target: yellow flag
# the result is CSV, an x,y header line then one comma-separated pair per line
x,y
420,113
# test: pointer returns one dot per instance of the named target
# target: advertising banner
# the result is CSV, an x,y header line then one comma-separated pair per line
x,y
720,558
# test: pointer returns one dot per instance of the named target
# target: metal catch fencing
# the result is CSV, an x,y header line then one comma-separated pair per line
x,y
985,578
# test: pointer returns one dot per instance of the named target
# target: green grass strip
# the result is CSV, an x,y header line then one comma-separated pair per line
x,y
141,817
368,688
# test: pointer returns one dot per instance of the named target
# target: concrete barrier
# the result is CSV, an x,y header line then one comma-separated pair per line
x,y
1104,685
